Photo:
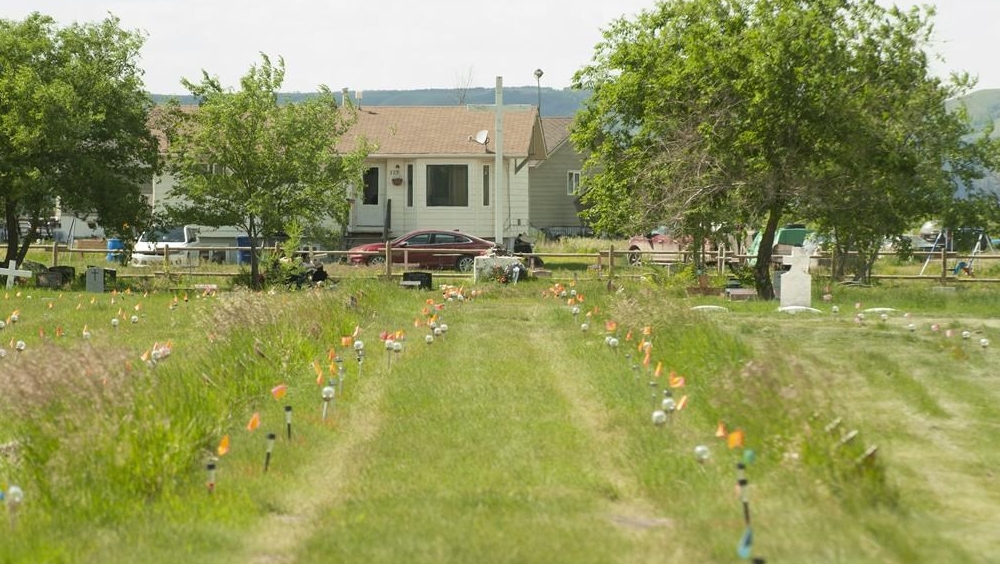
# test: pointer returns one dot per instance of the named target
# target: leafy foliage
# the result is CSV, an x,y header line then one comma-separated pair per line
x,y
241,158
743,112
73,126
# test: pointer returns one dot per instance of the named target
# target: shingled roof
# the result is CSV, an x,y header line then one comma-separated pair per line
x,y
444,130
556,130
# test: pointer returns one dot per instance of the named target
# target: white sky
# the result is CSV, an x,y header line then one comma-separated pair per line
x,y
412,44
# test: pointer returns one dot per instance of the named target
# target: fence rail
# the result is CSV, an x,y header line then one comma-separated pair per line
x,y
609,262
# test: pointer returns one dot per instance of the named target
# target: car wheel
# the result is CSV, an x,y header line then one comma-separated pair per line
x,y
634,258
465,263
376,260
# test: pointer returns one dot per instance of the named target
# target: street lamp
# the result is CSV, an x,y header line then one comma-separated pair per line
x,y
538,82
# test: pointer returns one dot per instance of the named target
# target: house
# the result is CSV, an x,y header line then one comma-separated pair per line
x,y
434,167
554,206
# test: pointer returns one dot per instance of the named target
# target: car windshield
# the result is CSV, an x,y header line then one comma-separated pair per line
x,y
172,235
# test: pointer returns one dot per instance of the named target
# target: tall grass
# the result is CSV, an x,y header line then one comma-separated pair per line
x,y
517,437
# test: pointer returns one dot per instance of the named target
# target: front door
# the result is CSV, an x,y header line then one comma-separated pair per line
x,y
370,201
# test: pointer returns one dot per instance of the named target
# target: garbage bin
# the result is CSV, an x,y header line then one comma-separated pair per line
x,y
113,246
243,256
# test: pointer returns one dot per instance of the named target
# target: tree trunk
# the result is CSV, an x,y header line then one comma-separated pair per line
x,y
255,281
27,239
13,232
762,270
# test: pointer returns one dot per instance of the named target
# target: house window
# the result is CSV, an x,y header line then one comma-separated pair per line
x,y
573,183
447,185
370,196
409,186
486,186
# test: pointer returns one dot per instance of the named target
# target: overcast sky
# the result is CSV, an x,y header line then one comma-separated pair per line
x,y
412,44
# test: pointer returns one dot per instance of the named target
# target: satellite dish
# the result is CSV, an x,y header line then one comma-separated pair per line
x,y
483,137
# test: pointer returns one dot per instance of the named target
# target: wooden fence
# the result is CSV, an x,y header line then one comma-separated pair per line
x,y
604,263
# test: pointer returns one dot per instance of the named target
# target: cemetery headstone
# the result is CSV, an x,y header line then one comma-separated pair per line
x,y
796,283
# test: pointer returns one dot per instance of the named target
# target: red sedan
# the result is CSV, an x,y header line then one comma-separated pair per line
x,y
425,248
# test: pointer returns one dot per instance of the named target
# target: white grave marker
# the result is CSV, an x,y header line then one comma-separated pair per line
x,y
796,283
12,274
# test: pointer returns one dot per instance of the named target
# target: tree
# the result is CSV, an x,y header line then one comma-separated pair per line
x,y
73,127
749,111
242,159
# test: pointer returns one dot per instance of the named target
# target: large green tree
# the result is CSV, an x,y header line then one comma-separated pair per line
x,y
243,159
753,112
73,127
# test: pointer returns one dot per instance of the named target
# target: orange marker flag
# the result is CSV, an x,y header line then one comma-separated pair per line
x,y
676,381
735,439
60,332
682,403
279,391
41,333
628,336
647,330
51,305
720,431
345,341
570,301
223,446
254,421
646,359
659,369
138,307
357,331
610,326
319,373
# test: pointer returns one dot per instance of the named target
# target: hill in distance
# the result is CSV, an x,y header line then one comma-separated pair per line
x,y
554,103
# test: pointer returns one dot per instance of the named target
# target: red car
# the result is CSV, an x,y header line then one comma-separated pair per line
x,y
657,246
425,248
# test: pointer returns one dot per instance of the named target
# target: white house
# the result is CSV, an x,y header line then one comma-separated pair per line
x,y
433,167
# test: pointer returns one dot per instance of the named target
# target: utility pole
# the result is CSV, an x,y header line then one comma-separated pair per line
x,y
538,83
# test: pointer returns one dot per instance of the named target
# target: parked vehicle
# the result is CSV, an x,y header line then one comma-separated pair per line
x,y
785,239
425,248
187,245
658,246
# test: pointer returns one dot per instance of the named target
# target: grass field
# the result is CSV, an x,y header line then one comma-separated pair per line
x,y
515,436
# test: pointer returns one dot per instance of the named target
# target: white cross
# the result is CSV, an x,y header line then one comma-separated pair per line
x,y
799,259
498,110
12,274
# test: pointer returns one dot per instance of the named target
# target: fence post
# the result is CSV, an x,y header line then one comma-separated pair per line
x,y
944,265
55,253
388,260
611,261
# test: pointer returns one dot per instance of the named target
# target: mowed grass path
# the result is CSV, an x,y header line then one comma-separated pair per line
x,y
490,449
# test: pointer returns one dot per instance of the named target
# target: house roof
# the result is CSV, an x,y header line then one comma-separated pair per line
x,y
444,130
556,131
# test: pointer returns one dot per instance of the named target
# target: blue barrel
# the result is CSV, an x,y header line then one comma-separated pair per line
x,y
115,245
244,255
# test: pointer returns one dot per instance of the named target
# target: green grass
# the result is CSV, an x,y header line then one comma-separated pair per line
x,y
517,437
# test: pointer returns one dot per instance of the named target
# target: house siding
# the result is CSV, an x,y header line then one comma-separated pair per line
x,y
475,218
550,205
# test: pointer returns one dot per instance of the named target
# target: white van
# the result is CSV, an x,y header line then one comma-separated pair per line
x,y
150,247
